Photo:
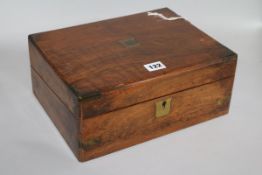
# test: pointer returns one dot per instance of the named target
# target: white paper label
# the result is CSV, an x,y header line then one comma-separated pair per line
x,y
154,66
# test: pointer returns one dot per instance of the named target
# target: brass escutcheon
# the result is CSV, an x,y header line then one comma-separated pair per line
x,y
163,107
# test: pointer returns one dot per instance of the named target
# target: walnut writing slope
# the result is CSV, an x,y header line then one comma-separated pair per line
x,y
112,84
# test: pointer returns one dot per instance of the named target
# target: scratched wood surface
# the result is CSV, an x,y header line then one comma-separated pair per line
x,y
126,127
91,60
64,120
166,84
95,73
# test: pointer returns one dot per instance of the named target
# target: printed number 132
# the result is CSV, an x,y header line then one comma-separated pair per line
x,y
155,66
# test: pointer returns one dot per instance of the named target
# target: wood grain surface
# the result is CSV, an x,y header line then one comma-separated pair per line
x,y
91,60
92,82
154,88
64,120
122,128
52,80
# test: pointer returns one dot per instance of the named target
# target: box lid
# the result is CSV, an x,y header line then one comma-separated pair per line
x,y
119,62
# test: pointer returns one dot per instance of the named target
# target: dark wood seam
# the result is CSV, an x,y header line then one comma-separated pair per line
x,y
52,67
52,91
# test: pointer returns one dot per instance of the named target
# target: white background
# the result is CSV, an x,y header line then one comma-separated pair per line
x,y
232,144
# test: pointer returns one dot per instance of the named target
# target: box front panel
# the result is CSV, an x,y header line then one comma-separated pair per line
x,y
157,87
115,130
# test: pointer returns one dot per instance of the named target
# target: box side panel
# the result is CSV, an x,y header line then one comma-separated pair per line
x,y
153,88
63,119
126,127
48,75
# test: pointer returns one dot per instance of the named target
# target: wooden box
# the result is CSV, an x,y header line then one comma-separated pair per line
x,y
112,84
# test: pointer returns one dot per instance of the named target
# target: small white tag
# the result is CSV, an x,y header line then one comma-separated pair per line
x,y
154,66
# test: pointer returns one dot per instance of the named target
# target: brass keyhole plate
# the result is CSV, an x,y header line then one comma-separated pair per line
x,y
163,107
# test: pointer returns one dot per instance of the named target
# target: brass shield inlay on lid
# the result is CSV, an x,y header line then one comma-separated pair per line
x,y
129,42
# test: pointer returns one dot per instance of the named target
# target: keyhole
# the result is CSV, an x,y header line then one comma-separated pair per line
x,y
164,104
163,107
